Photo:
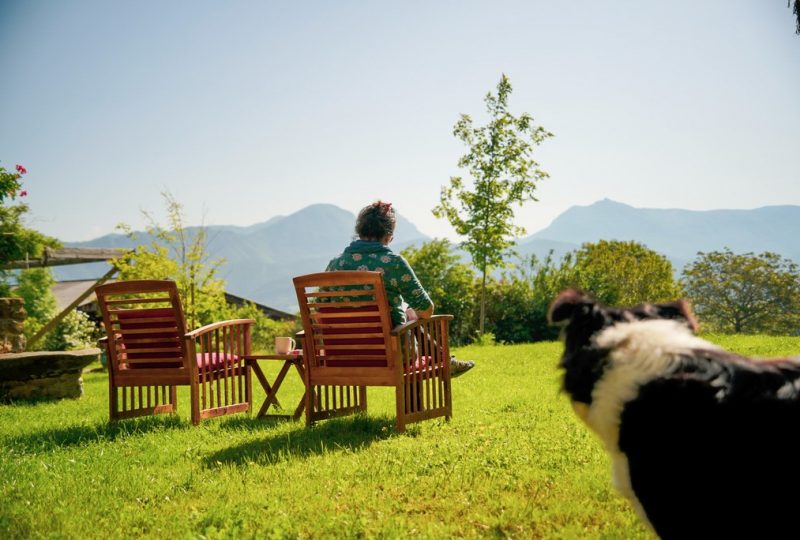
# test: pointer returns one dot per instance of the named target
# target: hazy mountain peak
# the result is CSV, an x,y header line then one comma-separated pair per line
x,y
679,234
609,203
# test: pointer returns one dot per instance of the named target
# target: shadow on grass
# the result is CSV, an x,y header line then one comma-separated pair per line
x,y
55,438
240,422
350,433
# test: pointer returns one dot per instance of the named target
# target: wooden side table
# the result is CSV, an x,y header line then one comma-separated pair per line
x,y
289,360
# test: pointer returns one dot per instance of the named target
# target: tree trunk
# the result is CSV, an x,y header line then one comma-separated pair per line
x,y
483,303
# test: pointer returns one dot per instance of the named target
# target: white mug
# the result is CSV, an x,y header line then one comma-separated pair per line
x,y
283,345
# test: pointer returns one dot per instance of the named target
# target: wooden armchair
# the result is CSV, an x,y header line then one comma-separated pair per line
x,y
150,354
349,344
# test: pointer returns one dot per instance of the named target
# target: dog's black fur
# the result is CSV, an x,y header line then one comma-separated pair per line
x,y
582,318
709,440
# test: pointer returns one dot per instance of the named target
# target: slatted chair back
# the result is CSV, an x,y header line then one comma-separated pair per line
x,y
150,353
346,321
349,344
145,326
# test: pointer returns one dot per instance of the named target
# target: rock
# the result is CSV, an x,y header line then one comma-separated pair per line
x,y
44,374
12,316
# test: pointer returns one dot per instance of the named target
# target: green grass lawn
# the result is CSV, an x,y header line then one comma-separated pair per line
x,y
513,462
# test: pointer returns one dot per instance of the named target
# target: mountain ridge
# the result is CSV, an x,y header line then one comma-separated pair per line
x,y
677,233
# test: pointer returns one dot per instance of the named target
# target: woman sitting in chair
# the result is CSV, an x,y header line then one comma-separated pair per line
x,y
375,229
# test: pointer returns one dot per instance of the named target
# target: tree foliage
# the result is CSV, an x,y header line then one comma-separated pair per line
x,y
745,293
177,253
35,287
75,331
17,242
449,282
504,173
546,278
11,184
624,273
509,309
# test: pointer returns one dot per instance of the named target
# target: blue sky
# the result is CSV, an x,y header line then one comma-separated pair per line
x,y
247,110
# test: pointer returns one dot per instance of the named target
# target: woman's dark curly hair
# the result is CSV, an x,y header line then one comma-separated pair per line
x,y
376,221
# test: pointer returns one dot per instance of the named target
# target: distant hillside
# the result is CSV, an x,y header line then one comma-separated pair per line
x,y
261,259
678,234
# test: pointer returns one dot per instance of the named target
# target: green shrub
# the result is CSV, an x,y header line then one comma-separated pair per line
x,y
75,331
449,282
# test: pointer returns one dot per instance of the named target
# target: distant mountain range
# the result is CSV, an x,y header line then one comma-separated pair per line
x,y
261,259
677,234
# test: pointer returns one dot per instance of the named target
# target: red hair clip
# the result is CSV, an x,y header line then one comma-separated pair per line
x,y
384,206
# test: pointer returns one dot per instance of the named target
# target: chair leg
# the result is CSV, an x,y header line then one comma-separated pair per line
x,y
309,402
112,398
362,398
195,399
248,388
448,399
173,398
400,400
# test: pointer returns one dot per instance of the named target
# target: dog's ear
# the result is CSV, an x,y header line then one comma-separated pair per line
x,y
566,303
680,309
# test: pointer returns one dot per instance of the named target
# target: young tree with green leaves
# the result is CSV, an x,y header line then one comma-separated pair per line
x,y
745,293
504,173
178,253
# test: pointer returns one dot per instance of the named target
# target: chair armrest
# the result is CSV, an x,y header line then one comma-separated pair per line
x,y
413,324
194,334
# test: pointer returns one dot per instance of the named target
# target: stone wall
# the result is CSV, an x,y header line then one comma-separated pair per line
x,y
50,375
12,315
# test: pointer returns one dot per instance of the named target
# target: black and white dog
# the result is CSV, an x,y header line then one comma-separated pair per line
x,y
705,443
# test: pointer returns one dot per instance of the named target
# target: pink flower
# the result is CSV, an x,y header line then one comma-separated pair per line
x,y
23,193
21,169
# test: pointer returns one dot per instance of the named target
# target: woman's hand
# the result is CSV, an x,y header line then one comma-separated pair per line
x,y
413,315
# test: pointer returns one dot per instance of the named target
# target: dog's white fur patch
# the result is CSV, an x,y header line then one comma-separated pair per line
x,y
640,352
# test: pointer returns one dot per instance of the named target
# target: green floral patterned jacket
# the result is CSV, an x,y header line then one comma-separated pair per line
x,y
401,283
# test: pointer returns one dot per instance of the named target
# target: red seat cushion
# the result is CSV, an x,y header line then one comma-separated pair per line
x,y
421,365
215,361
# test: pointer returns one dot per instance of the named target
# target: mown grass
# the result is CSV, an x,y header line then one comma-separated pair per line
x,y
513,462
